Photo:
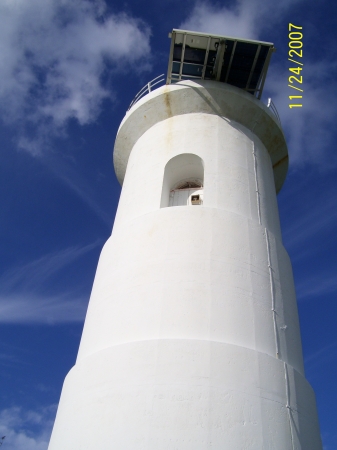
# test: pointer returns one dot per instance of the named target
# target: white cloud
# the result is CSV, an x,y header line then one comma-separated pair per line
x,y
244,19
17,424
54,56
209,18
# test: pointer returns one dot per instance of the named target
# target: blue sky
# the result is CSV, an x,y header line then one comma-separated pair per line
x,y
68,71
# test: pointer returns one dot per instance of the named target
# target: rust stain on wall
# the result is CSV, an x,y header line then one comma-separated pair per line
x,y
167,101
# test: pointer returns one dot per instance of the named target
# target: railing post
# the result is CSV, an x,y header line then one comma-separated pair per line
x,y
148,88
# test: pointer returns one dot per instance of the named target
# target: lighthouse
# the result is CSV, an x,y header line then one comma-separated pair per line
x,y
191,339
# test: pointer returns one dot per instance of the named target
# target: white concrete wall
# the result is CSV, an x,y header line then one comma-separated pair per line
x,y
184,394
191,340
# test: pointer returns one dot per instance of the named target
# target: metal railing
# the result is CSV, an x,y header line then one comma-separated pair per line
x,y
148,88
161,80
272,108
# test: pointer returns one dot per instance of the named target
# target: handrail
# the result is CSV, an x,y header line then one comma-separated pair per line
x,y
272,107
161,80
147,88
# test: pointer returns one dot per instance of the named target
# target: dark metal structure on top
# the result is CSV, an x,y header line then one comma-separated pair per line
x,y
241,63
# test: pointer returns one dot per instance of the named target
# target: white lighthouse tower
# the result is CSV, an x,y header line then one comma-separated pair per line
x,y
192,340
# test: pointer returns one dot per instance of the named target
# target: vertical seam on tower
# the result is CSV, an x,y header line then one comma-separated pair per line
x,y
256,185
271,280
288,403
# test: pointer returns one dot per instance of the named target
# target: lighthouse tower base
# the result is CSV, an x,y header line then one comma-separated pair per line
x,y
188,395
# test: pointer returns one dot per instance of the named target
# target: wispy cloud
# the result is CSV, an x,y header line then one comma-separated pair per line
x,y
68,173
313,357
35,273
26,295
9,358
17,425
55,57
317,286
320,218
30,309
244,18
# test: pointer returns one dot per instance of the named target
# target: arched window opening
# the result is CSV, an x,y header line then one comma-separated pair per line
x,y
183,183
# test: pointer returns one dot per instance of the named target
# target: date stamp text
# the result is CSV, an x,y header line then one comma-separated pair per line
x,y
295,56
